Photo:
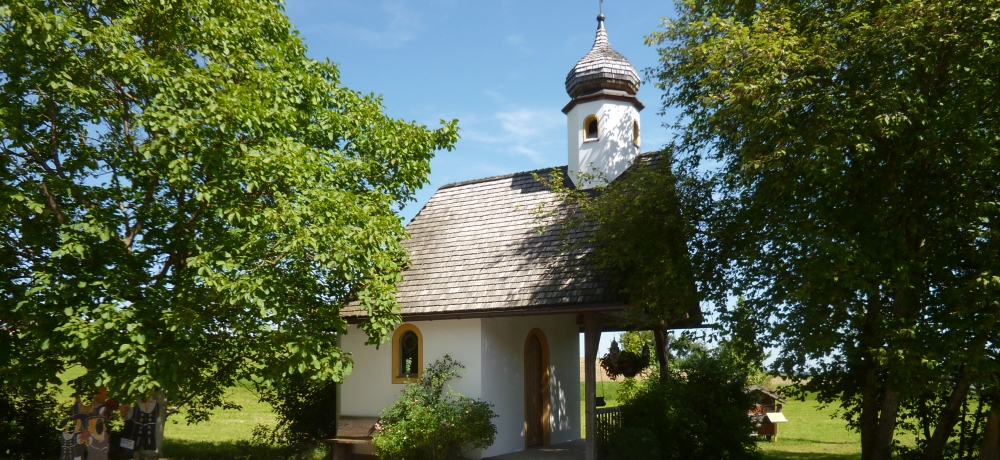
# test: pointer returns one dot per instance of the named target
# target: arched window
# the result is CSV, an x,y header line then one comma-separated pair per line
x,y
635,132
407,354
590,129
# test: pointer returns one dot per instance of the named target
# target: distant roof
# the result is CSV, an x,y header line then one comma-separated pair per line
x,y
475,250
760,389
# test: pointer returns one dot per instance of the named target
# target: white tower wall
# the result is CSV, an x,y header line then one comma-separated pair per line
x,y
613,151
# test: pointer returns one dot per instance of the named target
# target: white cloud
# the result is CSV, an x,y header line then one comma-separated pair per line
x,y
398,25
497,97
527,132
528,122
518,41
404,25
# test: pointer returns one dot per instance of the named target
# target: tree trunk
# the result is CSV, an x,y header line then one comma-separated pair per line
x,y
161,419
868,419
662,353
882,444
976,435
963,432
990,448
934,450
869,411
925,418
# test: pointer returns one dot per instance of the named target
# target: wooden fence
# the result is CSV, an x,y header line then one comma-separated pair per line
x,y
608,419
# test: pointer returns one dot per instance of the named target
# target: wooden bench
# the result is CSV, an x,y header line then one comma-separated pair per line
x,y
354,437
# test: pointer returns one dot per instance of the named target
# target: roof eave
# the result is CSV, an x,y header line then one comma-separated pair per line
x,y
611,94
505,312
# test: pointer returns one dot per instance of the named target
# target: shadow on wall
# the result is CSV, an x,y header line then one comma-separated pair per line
x,y
619,140
558,416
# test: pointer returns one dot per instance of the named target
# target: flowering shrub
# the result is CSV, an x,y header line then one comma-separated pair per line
x,y
624,362
429,423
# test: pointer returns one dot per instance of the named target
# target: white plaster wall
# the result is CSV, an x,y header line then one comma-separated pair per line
x,y
369,389
503,377
613,152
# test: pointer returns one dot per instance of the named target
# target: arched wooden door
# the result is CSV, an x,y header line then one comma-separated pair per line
x,y
536,389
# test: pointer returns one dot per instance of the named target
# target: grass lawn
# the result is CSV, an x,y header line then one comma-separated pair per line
x,y
214,439
608,389
810,434
217,437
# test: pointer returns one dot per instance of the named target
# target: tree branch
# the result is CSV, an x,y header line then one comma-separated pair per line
x,y
130,234
50,200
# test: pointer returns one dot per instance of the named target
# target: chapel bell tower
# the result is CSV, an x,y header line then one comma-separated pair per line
x,y
603,115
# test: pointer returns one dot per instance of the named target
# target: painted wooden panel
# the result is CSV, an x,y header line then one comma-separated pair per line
x,y
533,390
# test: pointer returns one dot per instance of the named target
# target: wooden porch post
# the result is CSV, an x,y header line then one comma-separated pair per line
x,y
591,340
662,339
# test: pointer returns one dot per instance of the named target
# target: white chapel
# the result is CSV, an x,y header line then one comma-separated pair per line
x,y
507,302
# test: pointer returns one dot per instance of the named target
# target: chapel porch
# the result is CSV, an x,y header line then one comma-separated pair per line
x,y
572,450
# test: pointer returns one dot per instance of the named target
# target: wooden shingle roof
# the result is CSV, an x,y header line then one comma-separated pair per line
x,y
602,68
476,250
766,392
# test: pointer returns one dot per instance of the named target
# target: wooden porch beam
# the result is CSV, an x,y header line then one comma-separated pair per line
x,y
591,340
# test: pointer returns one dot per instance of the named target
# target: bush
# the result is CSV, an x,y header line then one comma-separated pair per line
x,y
306,413
29,426
426,423
305,407
701,412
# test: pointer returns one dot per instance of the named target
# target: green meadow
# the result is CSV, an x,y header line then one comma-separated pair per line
x,y
812,432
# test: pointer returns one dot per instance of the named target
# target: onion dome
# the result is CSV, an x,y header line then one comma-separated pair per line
x,y
602,68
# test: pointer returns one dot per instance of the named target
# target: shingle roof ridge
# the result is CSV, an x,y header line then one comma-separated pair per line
x,y
645,155
482,180
500,177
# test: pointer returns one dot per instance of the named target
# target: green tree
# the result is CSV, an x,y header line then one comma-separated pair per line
x,y
857,188
642,228
699,411
188,200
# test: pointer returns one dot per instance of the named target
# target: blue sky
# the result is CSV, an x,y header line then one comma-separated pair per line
x,y
498,67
